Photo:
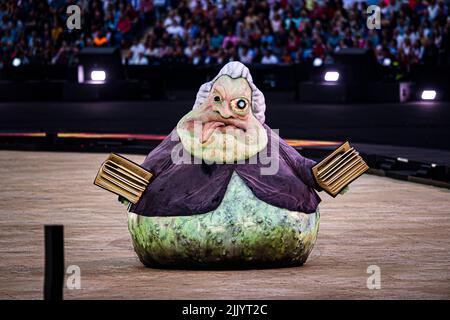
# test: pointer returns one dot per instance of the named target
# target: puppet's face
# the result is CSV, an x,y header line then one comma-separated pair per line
x,y
223,129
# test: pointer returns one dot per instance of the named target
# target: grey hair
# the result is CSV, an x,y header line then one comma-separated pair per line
x,y
236,69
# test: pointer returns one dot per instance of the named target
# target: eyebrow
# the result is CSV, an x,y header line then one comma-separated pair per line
x,y
222,91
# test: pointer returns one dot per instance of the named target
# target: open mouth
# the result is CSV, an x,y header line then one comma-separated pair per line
x,y
209,122
209,128
208,135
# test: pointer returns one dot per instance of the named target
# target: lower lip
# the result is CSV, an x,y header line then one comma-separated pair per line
x,y
222,129
225,127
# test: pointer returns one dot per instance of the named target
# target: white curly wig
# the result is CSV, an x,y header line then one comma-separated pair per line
x,y
236,69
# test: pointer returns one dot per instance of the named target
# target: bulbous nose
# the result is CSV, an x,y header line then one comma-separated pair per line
x,y
225,110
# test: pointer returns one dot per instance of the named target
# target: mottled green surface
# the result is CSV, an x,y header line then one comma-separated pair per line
x,y
242,232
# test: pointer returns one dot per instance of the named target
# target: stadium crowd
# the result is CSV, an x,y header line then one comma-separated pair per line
x,y
206,32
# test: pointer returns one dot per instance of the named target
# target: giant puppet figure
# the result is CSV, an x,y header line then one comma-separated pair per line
x,y
226,191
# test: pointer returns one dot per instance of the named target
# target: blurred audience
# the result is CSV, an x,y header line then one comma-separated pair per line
x,y
217,31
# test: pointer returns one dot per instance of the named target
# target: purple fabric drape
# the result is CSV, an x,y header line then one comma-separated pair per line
x,y
188,189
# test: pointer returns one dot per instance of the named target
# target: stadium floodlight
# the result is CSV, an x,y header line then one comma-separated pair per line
x,y
332,76
317,62
428,94
98,75
387,62
100,65
16,62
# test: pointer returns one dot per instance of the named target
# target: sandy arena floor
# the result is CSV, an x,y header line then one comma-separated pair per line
x,y
402,227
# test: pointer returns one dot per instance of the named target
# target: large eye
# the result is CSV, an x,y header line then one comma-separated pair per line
x,y
240,106
217,99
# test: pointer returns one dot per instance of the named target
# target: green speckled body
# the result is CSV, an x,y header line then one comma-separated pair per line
x,y
243,232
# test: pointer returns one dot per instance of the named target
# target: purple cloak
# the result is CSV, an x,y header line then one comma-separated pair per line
x,y
188,189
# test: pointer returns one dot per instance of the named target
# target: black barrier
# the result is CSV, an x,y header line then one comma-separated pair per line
x,y
46,83
38,72
431,78
190,77
178,76
54,262
53,82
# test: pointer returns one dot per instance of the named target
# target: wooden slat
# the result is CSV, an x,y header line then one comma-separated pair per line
x,y
347,168
335,159
339,165
350,176
110,162
126,179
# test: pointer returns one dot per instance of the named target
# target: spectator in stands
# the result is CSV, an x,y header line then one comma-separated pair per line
x,y
319,49
100,39
230,40
245,55
217,31
269,58
216,39
174,29
136,50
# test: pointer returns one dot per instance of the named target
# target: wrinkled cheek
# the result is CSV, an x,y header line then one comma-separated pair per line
x,y
254,136
193,128
242,137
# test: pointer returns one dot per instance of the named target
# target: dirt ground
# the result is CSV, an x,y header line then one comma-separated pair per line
x,y
401,227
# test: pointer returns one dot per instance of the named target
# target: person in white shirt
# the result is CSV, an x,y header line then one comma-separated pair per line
x,y
245,55
152,52
176,30
399,38
194,4
189,50
276,23
433,10
171,18
141,59
269,58
135,50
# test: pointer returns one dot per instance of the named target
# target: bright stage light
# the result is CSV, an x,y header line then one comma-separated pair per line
x,y
98,75
16,62
428,95
387,62
331,76
317,62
